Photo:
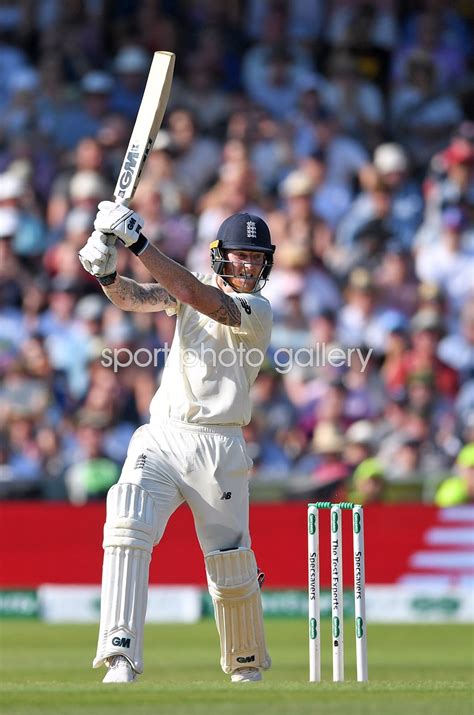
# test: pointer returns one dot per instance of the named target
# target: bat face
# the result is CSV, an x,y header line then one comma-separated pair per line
x,y
147,125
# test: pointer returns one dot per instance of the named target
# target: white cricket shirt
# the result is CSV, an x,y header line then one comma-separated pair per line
x,y
211,367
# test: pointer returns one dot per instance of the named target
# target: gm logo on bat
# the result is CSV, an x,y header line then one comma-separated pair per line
x,y
129,167
130,164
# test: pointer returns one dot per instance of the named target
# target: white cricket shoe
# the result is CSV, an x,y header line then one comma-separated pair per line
x,y
246,675
119,670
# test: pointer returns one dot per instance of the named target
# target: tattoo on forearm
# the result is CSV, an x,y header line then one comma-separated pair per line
x,y
227,313
135,295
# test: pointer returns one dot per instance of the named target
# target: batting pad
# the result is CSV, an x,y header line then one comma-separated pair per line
x,y
233,585
129,533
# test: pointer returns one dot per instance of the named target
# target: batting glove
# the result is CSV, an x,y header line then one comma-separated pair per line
x,y
123,223
99,257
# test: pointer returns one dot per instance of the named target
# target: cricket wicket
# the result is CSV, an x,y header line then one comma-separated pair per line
x,y
314,606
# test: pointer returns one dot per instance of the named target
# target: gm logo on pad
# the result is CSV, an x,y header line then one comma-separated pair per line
x,y
122,642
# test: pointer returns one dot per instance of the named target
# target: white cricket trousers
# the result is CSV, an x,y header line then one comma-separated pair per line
x,y
205,466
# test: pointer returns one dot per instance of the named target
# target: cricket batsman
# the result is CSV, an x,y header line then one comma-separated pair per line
x,y
192,450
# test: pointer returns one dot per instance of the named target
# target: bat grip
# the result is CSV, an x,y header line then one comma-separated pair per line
x,y
124,202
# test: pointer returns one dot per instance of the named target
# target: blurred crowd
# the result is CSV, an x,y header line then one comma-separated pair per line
x,y
349,126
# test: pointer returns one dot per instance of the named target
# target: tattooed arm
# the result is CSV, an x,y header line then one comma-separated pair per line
x,y
127,294
227,312
186,288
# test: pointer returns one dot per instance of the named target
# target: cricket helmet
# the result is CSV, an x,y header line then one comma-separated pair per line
x,y
242,232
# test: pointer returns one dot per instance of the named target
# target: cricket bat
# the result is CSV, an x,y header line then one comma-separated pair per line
x,y
147,125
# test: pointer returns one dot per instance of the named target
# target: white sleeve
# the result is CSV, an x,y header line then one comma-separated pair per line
x,y
255,315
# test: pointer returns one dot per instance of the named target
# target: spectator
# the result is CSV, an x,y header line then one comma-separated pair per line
x,y
459,489
403,210
291,328
159,205
331,472
196,157
279,86
29,239
64,341
330,201
270,153
413,453
422,115
426,332
359,321
394,350
390,425
268,457
12,273
93,474
305,384
427,32
368,482
310,106
131,64
396,283
271,405
371,210
392,165
457,348
359,443
407,464
450,182
23,456
370,242
21,115
373,22
330,411
77,120
202,96
357,102
344,155
364,397
448,264
53,462
89,161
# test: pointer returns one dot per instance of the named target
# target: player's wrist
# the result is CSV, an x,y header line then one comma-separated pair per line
x,y
107,280
139,246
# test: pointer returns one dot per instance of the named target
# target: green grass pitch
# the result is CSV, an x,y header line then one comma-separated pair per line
x,y
412,669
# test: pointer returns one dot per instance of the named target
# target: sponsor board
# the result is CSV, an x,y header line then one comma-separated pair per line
x,y
81,604
182,604
18,604
403,542
415,604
